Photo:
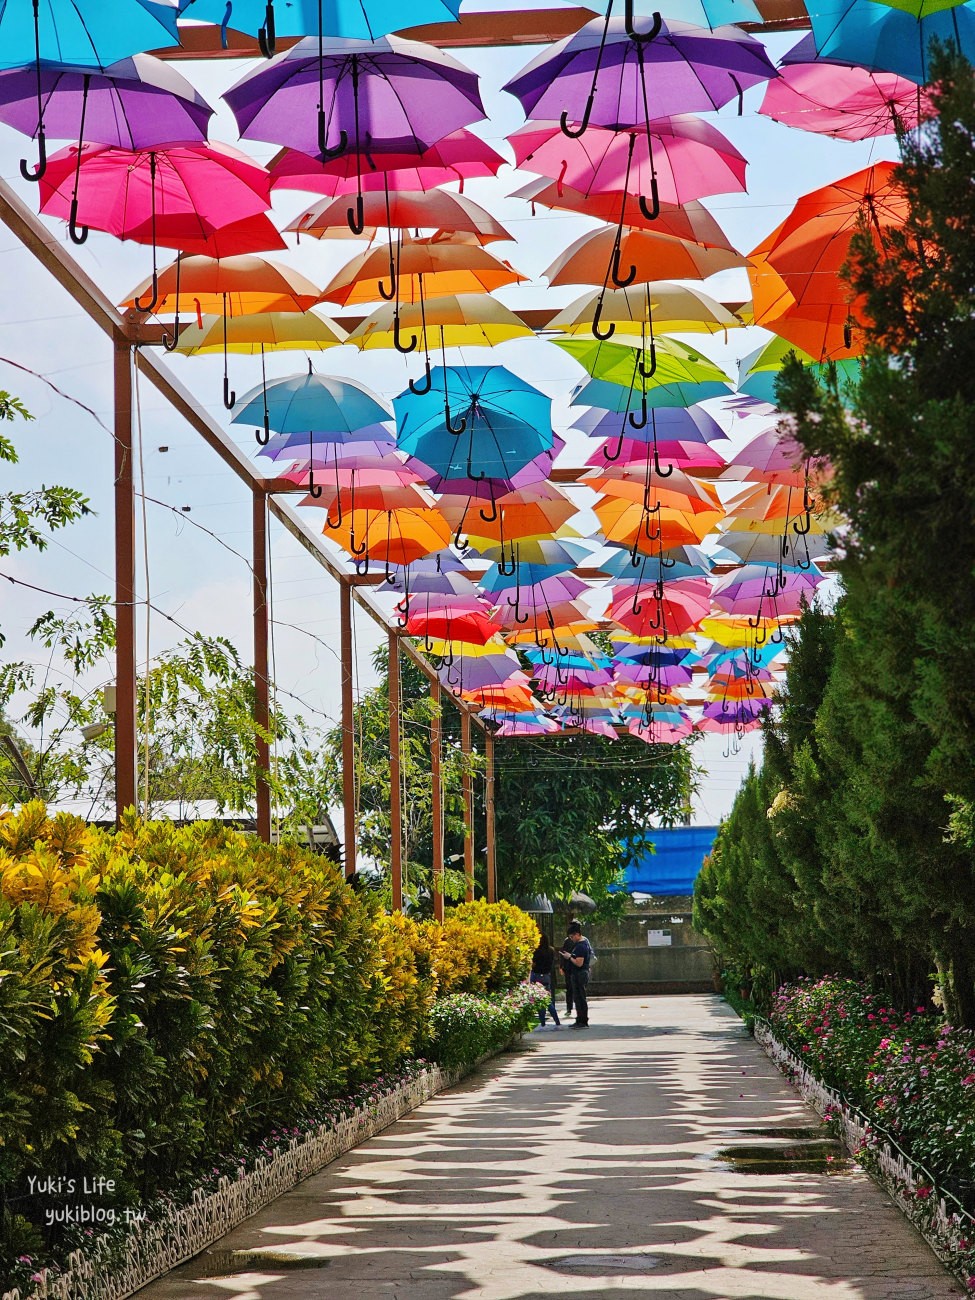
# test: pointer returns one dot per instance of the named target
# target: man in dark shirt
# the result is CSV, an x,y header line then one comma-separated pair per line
x,y
577,951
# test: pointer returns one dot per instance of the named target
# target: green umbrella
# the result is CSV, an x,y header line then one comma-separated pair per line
x,y
920,8
758,371
665,362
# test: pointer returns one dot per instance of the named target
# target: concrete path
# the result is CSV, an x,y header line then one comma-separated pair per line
x,y
586,1163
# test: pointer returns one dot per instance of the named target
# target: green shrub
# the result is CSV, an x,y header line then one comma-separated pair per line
x,y
464,1026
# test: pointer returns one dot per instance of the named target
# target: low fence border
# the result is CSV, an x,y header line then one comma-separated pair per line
x,y
937,1215
155,1248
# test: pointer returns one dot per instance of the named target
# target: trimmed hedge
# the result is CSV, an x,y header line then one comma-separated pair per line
x,y
170,994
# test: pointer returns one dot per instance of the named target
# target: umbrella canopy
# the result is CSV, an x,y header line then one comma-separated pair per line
x,y
619,363
439,266
842,100
261,331
667,424
361,19
688,221
535,513
452,320
478,420
401,210
154,196
767,548
137,103
652,256
675,308
356,95
880,37
684,69
759,370
686,157
89,33
631,523
393,536
459,156
234,286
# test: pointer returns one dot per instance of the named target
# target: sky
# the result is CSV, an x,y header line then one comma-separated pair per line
x,y
194,563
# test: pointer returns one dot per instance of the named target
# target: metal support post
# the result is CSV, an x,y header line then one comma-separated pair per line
x,y
468,790
395,777
348,733
126,742
436,774
492,873
262,701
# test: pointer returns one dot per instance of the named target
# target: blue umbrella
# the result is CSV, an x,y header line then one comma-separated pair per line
x,y
878,37
497,578
311,404
619,398
87,33
681,562
365,20
474,422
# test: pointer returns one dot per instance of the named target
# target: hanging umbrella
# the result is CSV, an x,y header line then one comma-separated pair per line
x,y
688,221
458,482
473,675
672,362
459,156
506,421
671,308
261,332
677,159
137,103
643,569
535,513
85,33
360,19
454,320
759,370
610,75
331,97
620,398
439,266
733,716
331,446
393,536
691,457
880,37
304,404
633,482
652,256
153,196
401,210
754,588
842,100
691,424
771,457
653,527
769,548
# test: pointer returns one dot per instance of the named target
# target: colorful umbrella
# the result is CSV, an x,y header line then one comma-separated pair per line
x,y
608,75
880,37
651,256
457,320
670,308
86,33
261,332
440,265
459,156
690,220
330,97
401,210
360,19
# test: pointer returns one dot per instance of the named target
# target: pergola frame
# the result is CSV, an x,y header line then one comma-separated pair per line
x,y
131,337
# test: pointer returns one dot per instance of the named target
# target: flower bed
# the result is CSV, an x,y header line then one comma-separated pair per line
x,y
464,1026
911,1077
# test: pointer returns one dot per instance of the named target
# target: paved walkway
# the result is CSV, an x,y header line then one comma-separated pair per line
x,y
583,1162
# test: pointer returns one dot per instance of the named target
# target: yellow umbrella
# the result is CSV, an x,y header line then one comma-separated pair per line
x,y
668,307
739,633
268,331
456,320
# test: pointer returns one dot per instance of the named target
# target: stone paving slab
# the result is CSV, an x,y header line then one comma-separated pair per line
x,y
582,1162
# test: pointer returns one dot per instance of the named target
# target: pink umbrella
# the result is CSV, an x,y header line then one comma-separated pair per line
x,y
690,457
757,590
459,156
681,157
666,609
520,724
770,458
662,732
843,100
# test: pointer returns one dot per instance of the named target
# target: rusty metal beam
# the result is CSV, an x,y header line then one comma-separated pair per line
x,y
348,732
436,775
395,778
468,792
262,687
489,811
126,740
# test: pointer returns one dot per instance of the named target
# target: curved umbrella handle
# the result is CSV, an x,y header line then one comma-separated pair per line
x,y
391,294
324,152
644,414
651,210
266,35
504,568
621,281
636,606
401,617
489,519
361,566
334,525
456,430
847,327
263,436
602,334
35,174
641,38
619,446
78,233
641,368
425,383
574,133
398,344
356,218
314,489
153,297
663,473
171,347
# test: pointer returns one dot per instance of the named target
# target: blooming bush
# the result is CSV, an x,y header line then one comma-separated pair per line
x,y
913,1075
464,1026
482,947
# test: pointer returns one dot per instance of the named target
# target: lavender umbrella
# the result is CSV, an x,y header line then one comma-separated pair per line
x,y
327,97
601,73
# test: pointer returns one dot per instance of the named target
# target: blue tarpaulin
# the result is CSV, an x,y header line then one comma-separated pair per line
x,y
673,867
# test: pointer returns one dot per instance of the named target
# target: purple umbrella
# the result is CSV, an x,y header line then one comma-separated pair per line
x,y
476,674
601,75
327,97
733,715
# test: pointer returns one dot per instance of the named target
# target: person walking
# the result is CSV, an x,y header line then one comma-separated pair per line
x,y
543,972
577,952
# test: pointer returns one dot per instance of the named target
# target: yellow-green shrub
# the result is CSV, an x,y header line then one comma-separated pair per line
x,y
482,947
409,984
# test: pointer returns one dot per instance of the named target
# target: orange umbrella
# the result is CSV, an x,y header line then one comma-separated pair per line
x,y
652,257
634,480
394,536
538,511
690,220
236,286
401,210
434,266
631,524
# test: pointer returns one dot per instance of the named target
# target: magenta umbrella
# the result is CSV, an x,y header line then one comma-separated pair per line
x,y
724,716
157,196
770,458
687,157
690,457
459,156
756,591
338,96
843,100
